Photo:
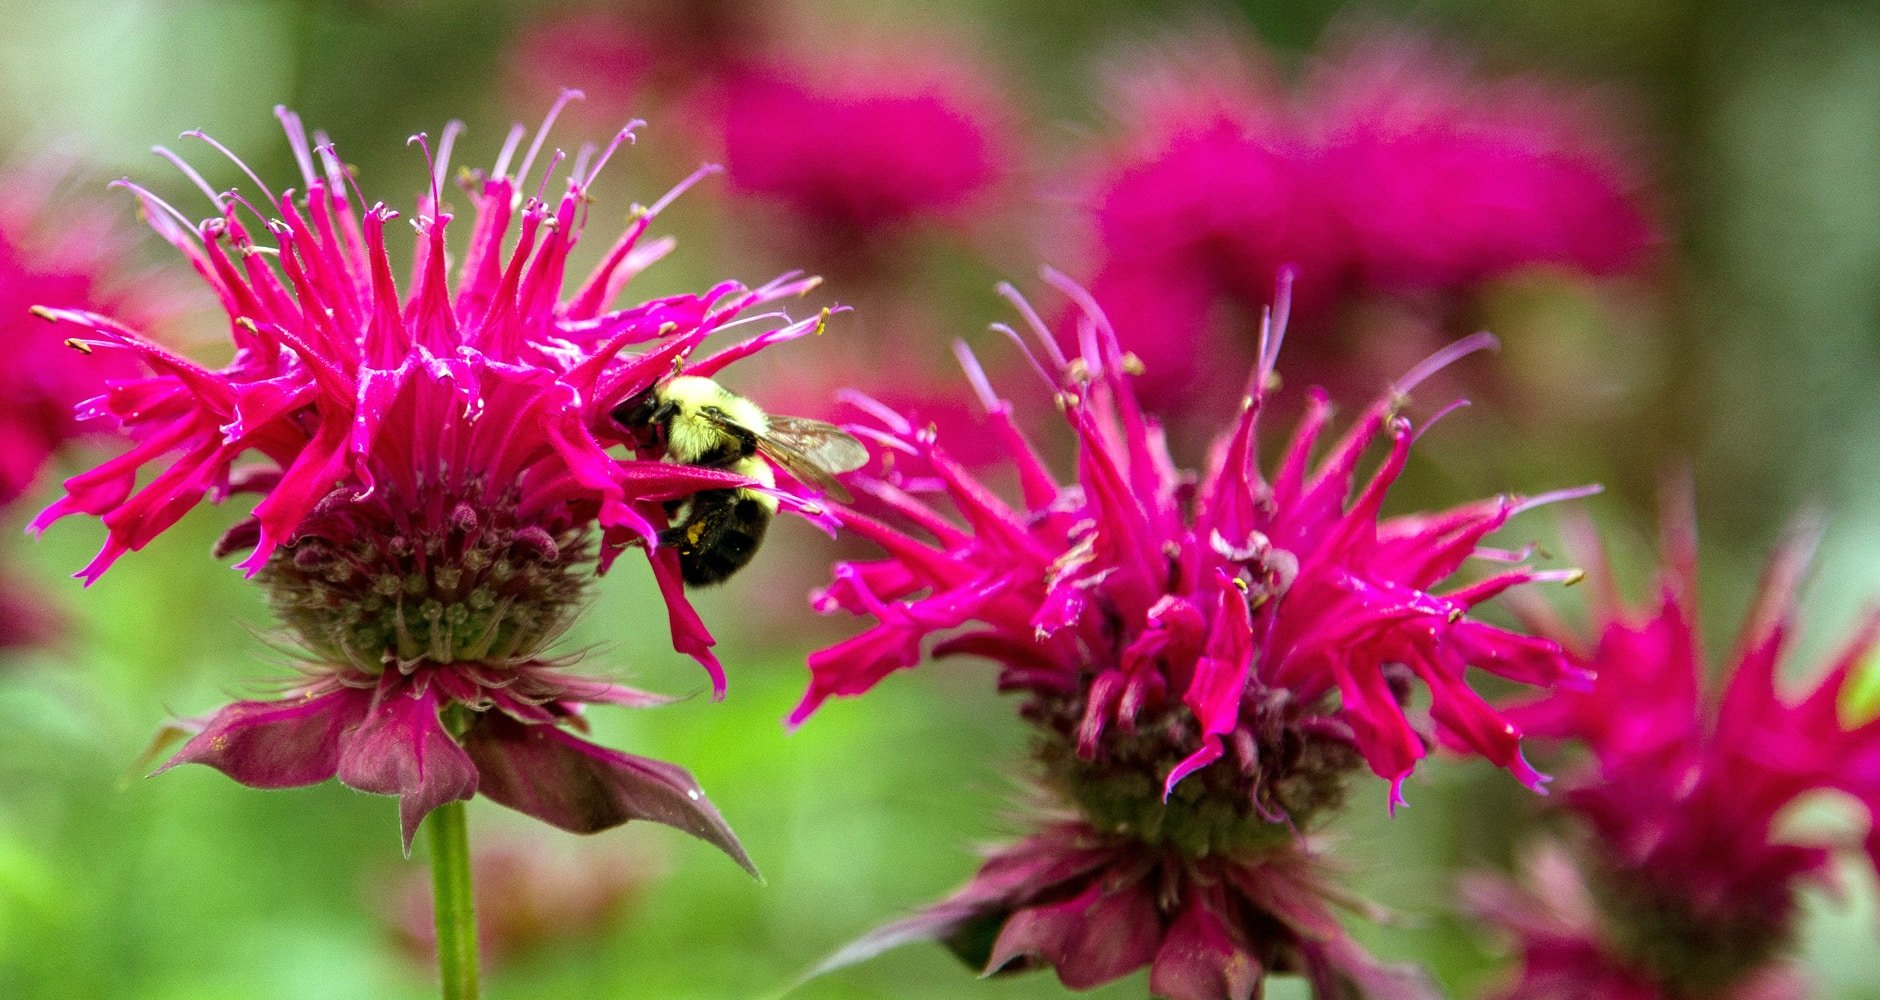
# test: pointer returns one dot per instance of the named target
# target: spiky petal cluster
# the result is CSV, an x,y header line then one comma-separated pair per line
x,y
434,472
1144,591
1206,661
1392,168
1692,878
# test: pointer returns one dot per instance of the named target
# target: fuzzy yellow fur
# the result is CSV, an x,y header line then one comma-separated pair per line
x,y
758,469
689,434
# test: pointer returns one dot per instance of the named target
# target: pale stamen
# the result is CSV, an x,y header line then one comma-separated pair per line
x,y
541,135
1442,359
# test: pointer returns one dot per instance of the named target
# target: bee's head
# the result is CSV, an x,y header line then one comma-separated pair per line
x,y
646,413
650,407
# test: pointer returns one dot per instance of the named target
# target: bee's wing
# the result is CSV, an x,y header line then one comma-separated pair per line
x,y
813,452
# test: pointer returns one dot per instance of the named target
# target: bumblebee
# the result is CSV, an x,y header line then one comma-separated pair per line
x,y
696,421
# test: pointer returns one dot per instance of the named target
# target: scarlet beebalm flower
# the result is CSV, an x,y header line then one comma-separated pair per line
x,y
632,53
1694,876
1391,169
1292,584
61,251
1446,178
55,250
1206,661
435,480
901,131
1569,953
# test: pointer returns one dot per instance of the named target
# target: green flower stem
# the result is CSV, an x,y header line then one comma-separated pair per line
x,y
454,906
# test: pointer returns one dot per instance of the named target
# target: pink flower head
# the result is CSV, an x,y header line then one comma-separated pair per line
x,y
435,478
56,251
1445,179
1696,883
1138,590
63,253
1389,170
1207,196
625,53
1569,953
895,133
1207,658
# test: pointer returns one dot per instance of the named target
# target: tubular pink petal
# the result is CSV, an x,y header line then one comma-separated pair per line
x,y
689,635
1543,499
232,158
1209,752
567,96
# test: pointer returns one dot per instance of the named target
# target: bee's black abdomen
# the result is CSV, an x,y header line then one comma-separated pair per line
x,y
721,533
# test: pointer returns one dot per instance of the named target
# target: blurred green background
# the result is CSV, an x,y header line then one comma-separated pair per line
x,y
1756,366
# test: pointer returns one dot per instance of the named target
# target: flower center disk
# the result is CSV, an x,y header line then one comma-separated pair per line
x,y
1279,778
453,576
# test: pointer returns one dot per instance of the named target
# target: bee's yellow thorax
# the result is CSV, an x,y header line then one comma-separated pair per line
x,y
692,432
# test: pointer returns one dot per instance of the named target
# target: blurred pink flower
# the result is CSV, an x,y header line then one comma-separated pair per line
x,y
1389,170
1194,238
1568,952
592,50
635,53
61,252
28,617
1445,179
57,250
1695,885
529,895
899,131
438,487
1208,661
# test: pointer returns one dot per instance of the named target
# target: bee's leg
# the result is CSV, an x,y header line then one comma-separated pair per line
x,y
713,517
678,512
700,520
722,535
